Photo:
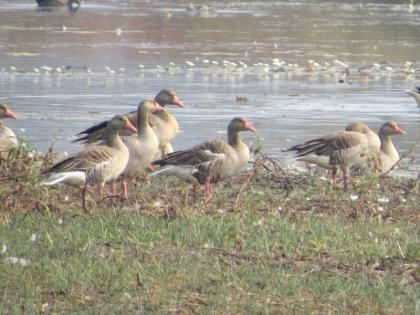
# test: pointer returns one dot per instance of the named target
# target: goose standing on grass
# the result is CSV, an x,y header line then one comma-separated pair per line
x,y
342,149
415,94
388,155
164,124
210,161
8,138
143,146
384,157
96,164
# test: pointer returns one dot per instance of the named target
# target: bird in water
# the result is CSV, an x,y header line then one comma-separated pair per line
x,y
73,5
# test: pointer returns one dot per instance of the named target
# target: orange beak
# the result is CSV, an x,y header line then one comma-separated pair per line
x,y
130,126
9,114
176,101
249,127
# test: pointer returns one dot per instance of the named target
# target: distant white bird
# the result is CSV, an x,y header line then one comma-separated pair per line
x,y
415,94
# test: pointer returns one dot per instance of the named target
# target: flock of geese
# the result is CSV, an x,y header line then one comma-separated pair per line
x,y
129,146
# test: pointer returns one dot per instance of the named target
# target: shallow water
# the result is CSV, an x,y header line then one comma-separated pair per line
x,y
286,107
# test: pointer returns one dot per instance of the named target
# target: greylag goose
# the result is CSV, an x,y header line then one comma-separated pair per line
x,y
164,124
210,161
71,4
341,149
8,138
386,155
415,94
142,147
96,164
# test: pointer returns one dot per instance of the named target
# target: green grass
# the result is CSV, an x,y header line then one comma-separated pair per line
x,y
289,244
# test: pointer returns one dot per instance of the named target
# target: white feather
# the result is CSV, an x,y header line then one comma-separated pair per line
x,y
76,179
320,160
184,172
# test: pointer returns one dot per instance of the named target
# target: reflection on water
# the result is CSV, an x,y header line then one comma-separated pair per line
x,y
98,51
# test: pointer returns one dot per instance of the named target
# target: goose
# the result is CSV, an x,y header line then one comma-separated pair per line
x,y
72,4
211,161
96,164
8,138
386,155
143,146
341,149
164,124
415,94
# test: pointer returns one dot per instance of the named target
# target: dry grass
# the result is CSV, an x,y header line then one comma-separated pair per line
x,y
270,240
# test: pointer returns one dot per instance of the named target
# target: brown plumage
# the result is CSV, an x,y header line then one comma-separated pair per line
x,y
382,153
388,155
210,161
96,164
143,147
8,138
340,149
164,124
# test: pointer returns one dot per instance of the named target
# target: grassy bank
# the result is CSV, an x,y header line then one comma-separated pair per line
x,y
270,241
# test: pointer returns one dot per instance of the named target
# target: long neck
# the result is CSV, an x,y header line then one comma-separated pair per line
x,y
164,115
113,138
233,137
142,121
387,146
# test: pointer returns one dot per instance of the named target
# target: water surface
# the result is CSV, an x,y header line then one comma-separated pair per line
x,y
286,107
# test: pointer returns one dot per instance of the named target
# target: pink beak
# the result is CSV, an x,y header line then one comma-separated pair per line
x,y
399,131
176,101
249,127
9,114
130,126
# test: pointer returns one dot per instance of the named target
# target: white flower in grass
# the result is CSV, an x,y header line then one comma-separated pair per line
x,y
323,178
383,199
45,307
128,295
3,249
34,237
222,211
17,261
354,197
381,209
206,246
60,221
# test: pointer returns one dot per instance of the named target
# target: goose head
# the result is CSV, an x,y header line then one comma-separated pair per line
x,y
5,112
120,122
391,128
168,97
149,105
240,124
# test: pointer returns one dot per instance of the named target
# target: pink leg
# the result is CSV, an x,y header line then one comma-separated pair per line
x,y
98,192
345,179
113,190
334,175
124,188
207,189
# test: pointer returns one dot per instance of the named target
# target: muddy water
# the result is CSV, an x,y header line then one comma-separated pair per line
x,y
287,104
